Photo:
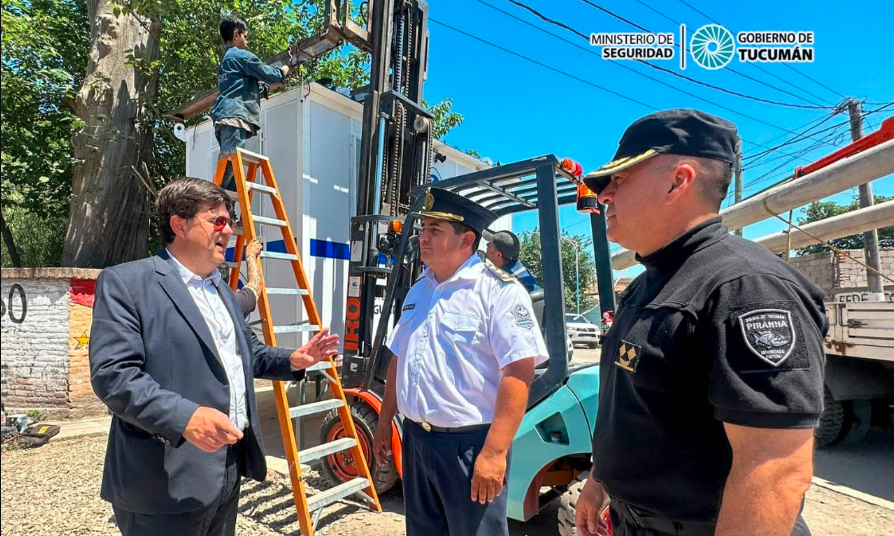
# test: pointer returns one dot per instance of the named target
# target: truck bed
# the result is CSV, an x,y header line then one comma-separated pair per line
x,y
864,330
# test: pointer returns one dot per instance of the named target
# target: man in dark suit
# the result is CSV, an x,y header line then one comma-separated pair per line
x,y
173,359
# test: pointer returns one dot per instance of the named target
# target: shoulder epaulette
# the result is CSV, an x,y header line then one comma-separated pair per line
x,y
501,274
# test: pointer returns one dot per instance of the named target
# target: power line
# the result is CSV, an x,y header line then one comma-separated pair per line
x,y
753,158
820,122
563,73
730,69
815,81
755,65
547,19
597,86
646,63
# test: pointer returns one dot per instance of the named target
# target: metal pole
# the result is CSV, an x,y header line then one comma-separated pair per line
x,y
577,274
738,178
870,238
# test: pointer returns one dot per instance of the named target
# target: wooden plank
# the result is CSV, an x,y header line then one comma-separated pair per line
x,y
866,341
865,323
867,352
873,315
871,332
871,306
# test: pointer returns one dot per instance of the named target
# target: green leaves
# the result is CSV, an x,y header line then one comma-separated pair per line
x,y
820,210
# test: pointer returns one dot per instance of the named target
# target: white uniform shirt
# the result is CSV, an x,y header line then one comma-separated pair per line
x,y
206,297
453,340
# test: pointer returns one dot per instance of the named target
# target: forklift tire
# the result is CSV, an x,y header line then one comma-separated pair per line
x,y
832,423
338,468
593,345
568,505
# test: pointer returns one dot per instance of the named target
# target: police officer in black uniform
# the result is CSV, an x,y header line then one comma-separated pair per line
x,y
712,373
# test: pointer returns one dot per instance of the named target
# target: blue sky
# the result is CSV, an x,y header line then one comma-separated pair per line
x,y
515,109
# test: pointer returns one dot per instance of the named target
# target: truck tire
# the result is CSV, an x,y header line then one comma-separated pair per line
x,y
568,506
860,418
833,422
338,467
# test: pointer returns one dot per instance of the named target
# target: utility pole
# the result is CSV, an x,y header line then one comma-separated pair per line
x,y
870,238
738,178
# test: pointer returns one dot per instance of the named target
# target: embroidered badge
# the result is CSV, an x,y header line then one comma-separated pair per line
x,y
408,307
522,317
769,334
429,201
628,356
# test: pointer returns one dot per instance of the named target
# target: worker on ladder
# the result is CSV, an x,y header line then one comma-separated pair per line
x,y
242,79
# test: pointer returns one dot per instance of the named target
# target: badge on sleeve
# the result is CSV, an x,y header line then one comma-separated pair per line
x,y
522,317
769,334
628,356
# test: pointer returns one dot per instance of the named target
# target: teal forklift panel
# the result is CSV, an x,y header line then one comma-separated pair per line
x,y
554,428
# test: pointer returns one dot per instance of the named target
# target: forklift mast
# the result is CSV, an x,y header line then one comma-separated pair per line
x,y
395,157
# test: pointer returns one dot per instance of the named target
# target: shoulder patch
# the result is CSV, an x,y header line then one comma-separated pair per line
x,y
769,334
522,316
501,275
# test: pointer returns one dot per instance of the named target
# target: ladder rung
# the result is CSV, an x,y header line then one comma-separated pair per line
x,y
314,407
322,365
262,188
248,156
287,291
270,221
277,255
320,451
325,498
296,329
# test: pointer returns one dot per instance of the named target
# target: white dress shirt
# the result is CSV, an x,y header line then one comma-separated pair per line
x,y
453,340
205,294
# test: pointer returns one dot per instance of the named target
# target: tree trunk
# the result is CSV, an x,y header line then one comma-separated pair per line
x,y
10,243
109,221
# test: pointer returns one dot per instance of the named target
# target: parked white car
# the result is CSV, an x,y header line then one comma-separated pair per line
x,y
582,331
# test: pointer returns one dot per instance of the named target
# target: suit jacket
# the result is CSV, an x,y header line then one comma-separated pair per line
x,y
153,362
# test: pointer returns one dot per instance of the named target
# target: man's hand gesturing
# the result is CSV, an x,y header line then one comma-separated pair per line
x,y
321,346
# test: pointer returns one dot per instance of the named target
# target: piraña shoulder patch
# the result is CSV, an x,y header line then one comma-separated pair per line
x,y
769,334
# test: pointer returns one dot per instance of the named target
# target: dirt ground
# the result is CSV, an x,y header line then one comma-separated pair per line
x,y
54,490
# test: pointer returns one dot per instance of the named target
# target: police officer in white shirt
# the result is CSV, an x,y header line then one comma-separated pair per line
x,y
465,349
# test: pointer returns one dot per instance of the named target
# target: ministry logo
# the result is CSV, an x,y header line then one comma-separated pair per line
x,y
712,46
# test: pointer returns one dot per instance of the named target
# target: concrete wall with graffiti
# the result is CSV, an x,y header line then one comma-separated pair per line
x,y
45,327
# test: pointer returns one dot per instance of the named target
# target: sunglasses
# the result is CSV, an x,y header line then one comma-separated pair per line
x,y
222,221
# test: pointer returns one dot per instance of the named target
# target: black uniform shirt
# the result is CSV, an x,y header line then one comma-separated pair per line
x,y
716,330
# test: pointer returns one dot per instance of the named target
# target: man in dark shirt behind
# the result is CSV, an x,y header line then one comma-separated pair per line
x,y
503,248
712,373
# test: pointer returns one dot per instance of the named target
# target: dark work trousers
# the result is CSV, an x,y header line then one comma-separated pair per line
x,y
229,138
621,528
438,469
217,520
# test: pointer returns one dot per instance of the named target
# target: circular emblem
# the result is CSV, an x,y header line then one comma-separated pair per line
x,y
712,46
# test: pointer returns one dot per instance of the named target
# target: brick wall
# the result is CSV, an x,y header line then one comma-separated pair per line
x,y
835,271
45,326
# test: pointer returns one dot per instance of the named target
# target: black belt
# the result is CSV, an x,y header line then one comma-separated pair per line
x,y
456,430
637,518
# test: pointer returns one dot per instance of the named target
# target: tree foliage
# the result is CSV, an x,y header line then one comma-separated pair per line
x,y
820,210
45,50
573,248
44,56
